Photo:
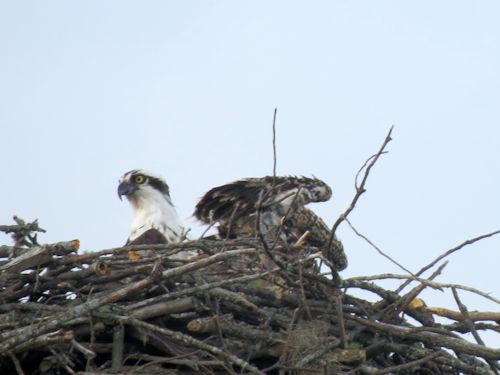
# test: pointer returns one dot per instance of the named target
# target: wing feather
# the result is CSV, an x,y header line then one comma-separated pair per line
x,y
219,203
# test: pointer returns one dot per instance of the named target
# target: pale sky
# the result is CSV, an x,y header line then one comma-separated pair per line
x,y
92,89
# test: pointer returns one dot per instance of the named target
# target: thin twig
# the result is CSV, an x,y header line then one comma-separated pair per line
x,y
341,322
274,142
403,303
430,283
377,248
187,340
449,252
361,188
17,364
470,325
408,365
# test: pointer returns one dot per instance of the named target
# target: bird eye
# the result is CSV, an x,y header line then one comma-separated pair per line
x,y
139,179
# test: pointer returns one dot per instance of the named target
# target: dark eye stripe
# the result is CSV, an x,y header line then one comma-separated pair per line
x,y
158,185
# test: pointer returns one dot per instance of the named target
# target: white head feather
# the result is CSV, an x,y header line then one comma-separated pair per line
x,y
149,197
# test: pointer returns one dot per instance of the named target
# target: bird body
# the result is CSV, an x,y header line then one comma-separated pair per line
x,y
273,206
235,205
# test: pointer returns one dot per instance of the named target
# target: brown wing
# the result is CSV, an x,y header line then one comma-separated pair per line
x,y
242,197
303,220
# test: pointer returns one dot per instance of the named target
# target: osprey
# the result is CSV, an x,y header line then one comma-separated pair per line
x,y
279,203
155,219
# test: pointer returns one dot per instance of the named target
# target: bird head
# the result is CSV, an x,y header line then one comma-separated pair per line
x,y
319,191
149,197
139,185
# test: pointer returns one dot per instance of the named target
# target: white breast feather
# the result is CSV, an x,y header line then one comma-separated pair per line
x,y
153,210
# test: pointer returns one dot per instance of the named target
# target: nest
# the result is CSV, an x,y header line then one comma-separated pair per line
x,y
240,306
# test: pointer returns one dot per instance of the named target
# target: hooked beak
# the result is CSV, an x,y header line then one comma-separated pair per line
x,y
126,188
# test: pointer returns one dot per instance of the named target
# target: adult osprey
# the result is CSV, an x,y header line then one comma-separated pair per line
x,y
155,219
279,203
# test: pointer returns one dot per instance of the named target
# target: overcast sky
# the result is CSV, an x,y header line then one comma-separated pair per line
x,y
187,89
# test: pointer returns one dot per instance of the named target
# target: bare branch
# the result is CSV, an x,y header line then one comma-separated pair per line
x,y
367,166
378,249
449,252
274,142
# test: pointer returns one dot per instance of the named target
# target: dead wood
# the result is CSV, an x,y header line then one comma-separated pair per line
x,y
222,312
240,307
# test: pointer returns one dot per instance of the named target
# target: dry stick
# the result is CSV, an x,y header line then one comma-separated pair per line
x,y
470,325
274,142
118,346
361,188
141,284
377,248
28,332
89,354
194,364
44,341
218,331
29,227
340,314
445,358
466,368
409,365
174,247
39,255
449,252
17,364
430,338
317,354
403,303
187,340
165,308
432,284
231,218
206,230
229,328
198,289
21,233
303,294
263,241
201,288
458,316
63,360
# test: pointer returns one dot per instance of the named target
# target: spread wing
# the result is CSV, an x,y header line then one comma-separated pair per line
x,y
234,206
281,202
245,197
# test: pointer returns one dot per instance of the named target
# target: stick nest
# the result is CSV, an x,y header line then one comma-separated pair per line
x,y
230,309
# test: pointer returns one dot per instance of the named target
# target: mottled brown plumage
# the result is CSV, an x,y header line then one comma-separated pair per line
x,y
279,204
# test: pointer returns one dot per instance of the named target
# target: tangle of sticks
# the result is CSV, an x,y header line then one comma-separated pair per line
x,y
226,311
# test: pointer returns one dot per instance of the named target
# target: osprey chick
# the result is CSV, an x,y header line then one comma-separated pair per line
x,y
155,219
279,203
